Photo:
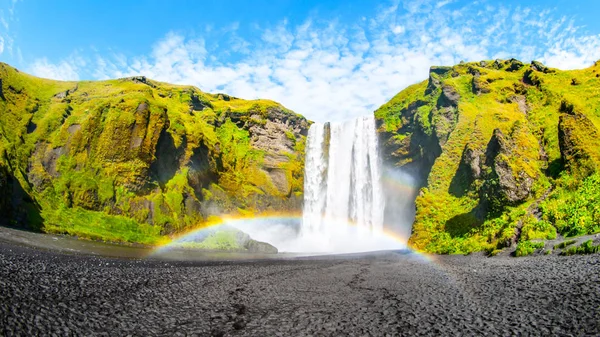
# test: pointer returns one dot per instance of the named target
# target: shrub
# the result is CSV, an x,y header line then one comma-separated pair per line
x,y
585,248
576,212
564,244
525,248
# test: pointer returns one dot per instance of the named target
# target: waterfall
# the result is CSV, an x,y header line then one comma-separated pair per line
x,y
343,197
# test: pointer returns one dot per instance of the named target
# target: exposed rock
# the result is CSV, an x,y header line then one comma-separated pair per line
x,y
447,116
474,71
6,207
259,247
511,185
435,73
73,128
168,157
515,65
579,141
471,158
196,104
64,94
449,97
50,159
16,206
279,179
202,169
2,91
225,97
532,78
521,102
469,170
141,80
479,86
271,137
538,66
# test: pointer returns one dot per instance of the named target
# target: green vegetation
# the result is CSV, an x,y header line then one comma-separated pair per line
x,y
506,153
575,208
525,248
512,151
135,160
225,239
565,244
587,247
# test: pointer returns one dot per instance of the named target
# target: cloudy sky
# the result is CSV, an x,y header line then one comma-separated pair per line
x,y
328,60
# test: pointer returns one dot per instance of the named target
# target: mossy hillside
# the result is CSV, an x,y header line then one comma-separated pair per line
x,y
485,141
141,158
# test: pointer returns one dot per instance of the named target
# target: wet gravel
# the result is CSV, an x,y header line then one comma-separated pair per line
x,y
45,293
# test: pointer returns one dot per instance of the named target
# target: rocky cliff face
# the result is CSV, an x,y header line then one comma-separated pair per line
x,y
163,157
486,140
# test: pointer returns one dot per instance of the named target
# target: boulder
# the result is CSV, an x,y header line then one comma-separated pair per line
x,y
514,65
538,66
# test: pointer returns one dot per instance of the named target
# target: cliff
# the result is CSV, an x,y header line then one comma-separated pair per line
x,y
505,152
133,159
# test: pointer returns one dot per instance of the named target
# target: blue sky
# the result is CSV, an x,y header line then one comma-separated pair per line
x,y
328,60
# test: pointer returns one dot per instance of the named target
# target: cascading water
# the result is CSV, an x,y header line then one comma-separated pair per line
x,y
344,200
343,197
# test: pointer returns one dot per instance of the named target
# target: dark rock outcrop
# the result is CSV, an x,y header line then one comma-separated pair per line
x,y
539,66
17,208
514,65
141,80
507,184
435,73
479,86
447,116
579,141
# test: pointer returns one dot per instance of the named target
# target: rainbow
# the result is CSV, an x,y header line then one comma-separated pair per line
x,y
215,222
240,221
399,181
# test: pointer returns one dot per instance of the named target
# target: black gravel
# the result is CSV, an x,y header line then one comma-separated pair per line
x,y
45,293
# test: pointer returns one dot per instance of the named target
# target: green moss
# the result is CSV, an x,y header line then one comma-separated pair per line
x,y
526,105
99,226
219,240
134,153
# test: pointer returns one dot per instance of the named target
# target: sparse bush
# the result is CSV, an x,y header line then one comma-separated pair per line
x,y
564,244
586,247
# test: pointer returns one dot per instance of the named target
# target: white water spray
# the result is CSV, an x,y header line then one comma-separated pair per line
x,y
343,198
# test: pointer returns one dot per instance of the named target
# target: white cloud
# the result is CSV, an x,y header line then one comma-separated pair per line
x,y
398,29
1,45
331,71
64,70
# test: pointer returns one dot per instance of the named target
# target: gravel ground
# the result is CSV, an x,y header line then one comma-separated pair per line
x,y
393,293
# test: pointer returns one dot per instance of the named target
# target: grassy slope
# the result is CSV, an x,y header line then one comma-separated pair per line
x,y
440,212
88,157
